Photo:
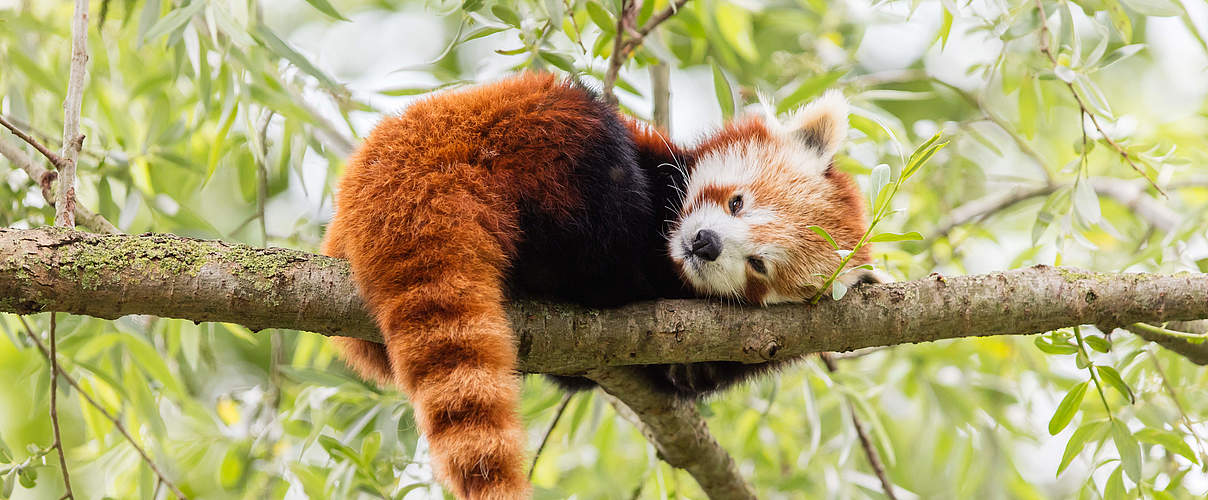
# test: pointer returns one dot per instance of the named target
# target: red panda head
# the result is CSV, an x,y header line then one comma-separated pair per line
x,y
756,187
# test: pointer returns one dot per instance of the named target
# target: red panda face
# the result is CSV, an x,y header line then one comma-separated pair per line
x,y
755,189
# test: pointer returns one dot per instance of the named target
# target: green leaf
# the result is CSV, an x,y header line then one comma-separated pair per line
x,y
822,232
482,32
337,449
838,290
150,361
216,146
721,87
945,29
811,87
878,179
471,5
326,8
10,483
232,468
1052,348
735,25
174,20
370,445
28,476
1067,408
1114,489
559,61
911,236
406,91
1130,451
1029,106
1120,20
922,154
1098,343
1084,434
506,14
1157,8
271,41
1172,441
601,17
6,455
1086,202
1120,54
1113,378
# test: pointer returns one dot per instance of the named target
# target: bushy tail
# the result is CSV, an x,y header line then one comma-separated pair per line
x,y
449,346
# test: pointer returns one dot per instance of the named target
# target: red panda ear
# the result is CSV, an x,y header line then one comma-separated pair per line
x,y
821,125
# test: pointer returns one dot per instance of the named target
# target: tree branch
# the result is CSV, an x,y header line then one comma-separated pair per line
x,y
73,140
870,450
55,159
1196,352
1129,194
109,276
117,422
46,178
629,39
1048,52
677,430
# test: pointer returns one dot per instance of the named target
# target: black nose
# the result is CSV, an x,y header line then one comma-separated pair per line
x,y
706,245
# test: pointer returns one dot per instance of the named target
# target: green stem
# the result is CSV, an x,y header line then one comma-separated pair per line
x,y
1192,337
1090,367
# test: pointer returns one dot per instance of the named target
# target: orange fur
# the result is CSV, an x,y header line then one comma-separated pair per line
x,y
427,214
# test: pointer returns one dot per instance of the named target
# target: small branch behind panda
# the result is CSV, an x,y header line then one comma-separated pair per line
x,y
870,450
630,37
1047,50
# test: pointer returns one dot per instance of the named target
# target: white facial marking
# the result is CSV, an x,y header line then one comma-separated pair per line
x,y
725,275
799,153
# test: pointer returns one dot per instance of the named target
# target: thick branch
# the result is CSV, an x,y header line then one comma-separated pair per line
x,y
108,276
677,430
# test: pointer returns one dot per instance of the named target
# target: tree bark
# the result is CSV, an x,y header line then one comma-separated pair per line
x,y
109,276
677,430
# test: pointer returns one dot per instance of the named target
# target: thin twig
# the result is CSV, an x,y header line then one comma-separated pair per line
x,y
1131,195
874,458
1178,404
55,159
45,179
73,140
660,88
1048,52
117,423
262,173
656,20
629,39
54,409
620,46
554,423
988,115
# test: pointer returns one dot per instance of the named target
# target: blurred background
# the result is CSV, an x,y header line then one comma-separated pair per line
x,y
1077,138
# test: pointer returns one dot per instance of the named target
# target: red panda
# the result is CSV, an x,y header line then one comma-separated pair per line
x,y
534,186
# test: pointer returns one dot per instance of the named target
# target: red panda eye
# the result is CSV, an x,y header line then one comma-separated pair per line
x,y
735,204
757,265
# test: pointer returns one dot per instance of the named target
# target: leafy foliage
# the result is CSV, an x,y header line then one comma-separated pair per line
x,y
230,119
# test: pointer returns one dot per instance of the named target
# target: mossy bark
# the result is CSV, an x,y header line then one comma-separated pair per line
x,y
108,276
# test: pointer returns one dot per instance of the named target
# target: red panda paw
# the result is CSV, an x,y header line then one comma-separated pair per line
x,y
859,276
